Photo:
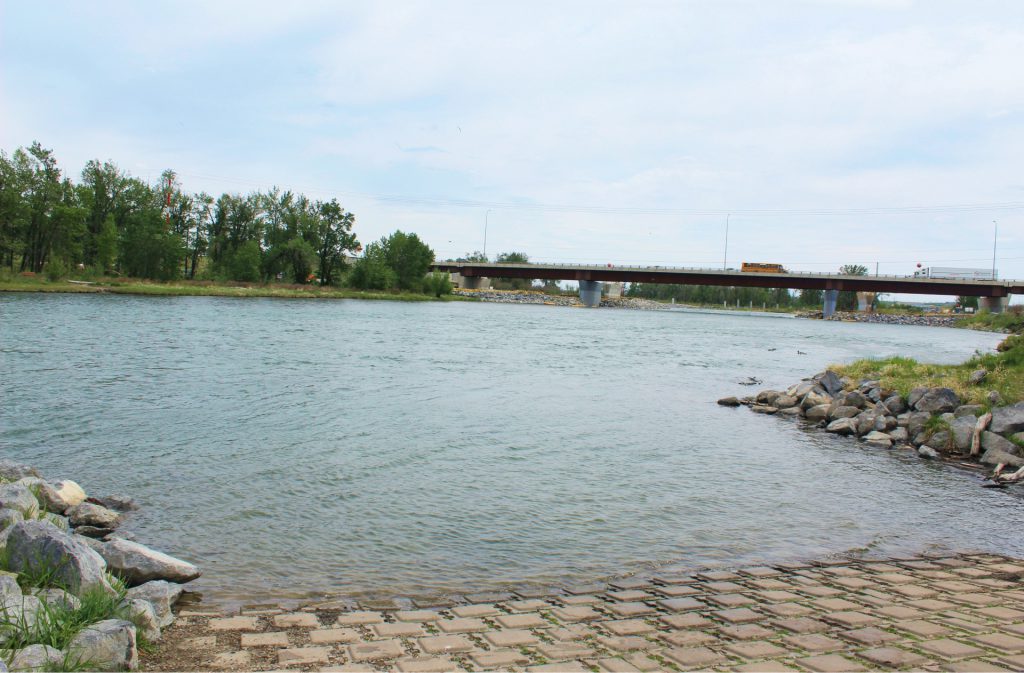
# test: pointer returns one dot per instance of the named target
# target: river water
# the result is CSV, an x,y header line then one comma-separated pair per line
x,y
303,448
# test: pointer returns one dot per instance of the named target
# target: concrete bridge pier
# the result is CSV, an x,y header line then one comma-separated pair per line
x,y
474,283
590,293
993,304
831,297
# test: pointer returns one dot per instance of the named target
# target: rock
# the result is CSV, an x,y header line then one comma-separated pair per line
x,y
12,471
843,412
1018,438
927,452
162,595
791,411
884,423
817,413
118,503
37,658
831,383
852,399
938,401
801,389
93,531
20,498
137,564
865,422
767,397
977,377
56,520
941,440
786,401
962,430
814,399
109,645
915,395
9,584
71,492
899,436
895,405
995,399
990,440
947,418
45,493
729,402
9,517
842,426
35,546
1008,420
88,514
879,439
975,410
58,598
995,456
18,609
144,616
763,409
916,422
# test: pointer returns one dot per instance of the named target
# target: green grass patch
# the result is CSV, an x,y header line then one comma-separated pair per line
x,y
1011,320
1005,374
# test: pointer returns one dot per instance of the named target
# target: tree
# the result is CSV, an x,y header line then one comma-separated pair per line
x,y
408,257
438,283
967,302
331,238
847,300
512,283
513,258
371,271
475,256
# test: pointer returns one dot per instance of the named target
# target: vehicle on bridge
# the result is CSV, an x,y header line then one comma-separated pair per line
x,y
759,267
955,273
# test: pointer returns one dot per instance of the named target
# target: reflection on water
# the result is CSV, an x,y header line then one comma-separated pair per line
x,y
326,447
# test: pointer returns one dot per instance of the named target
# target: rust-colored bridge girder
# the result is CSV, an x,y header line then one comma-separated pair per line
x,y
795,281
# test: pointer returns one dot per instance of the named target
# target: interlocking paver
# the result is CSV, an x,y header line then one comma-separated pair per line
x,y
629,595
746,632
730,600
869,636
756,649
892,657
739,615
788,610
630,583
271,639
628,627
631,609
571,632
445,644
899,612
417,616
717,575
398,630
612,665
762,667
328,636
830,663
626,643
693,657
425,665
235,624
576,613
510,638
681,604
850,619
914,591
359,618
777,596
949,649
500,659
301,656
688,638
585,599
1004,614
486,610
975,666
677,590
689,620
801,625
379,649
564,651
522,621
461,625
529,605
815,642
291,620
1000,641
921,628
562,667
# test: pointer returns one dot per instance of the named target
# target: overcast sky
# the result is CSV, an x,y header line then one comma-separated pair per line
x,y
593,132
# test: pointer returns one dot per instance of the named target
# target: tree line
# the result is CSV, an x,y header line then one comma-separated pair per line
x,y
110,223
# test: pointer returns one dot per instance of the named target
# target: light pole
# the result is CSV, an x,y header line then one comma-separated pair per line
x,y
725,255
995,239
486,215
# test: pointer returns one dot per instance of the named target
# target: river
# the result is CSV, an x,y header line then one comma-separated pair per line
x,y
305,448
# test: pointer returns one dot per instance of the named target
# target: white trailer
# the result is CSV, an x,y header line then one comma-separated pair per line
x,y
955,273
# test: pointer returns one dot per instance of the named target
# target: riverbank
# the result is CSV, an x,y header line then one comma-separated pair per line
x,y
954,613
210,289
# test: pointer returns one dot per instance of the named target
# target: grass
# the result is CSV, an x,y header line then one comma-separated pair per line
x,y
1005,374
1011,320
184,288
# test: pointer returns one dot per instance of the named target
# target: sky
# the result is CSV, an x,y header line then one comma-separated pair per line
x,y
887,133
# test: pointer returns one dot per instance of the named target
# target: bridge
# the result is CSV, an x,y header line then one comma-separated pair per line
x,y
994,294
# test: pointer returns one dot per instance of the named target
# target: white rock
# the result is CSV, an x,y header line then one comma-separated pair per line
x,y
138,564
109,645
37,658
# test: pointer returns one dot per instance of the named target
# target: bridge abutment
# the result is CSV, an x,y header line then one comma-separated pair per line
x,y
590,293
829,309
993,304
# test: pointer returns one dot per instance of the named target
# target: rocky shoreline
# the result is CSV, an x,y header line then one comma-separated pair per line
x,y
76,595
533,297
930,421
886,318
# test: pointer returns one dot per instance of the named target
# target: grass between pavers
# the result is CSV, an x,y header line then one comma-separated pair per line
x,y
1005,374
211,289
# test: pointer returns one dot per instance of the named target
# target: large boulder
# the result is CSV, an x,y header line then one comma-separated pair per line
x,y
786,401
852,399
143,615
162,595
19,497
88,514
962,429
927,452
12,471
729,402
814,399
137,564
837,412
895,405
969,410
819,412
9,517
915,395
831,383
865,422
938,401
20,610
37,658
109,645
70,492
916,422
58,598
842,426
885,423
879,439
37,546
1008,420
998,450
977,377
46,494
899,435
767,397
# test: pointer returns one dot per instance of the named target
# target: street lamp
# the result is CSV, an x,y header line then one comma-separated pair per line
x,y
995,239
486,215
725,256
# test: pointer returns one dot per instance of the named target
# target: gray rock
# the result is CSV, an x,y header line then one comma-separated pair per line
x,y
20,498
975,410
814,399
138,564
879,439
9,517
990,440
791,411
903,419
46,494
994,398
1018,438
801,389
977,377
852,399
831,383
995,456
12,471
884,423
118,503
915,395
895,405
947,418
874,395
921,438
938,401
843,412
9,584
767,397
93,531
865,422
927,452
842,426
88,514
19,610
57,520
143,615
109,645
817,413
729,402
37,658
763,409
786,401
35,545
899,436
941,440
1008,420
58,598
916,422
162,595
962,429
